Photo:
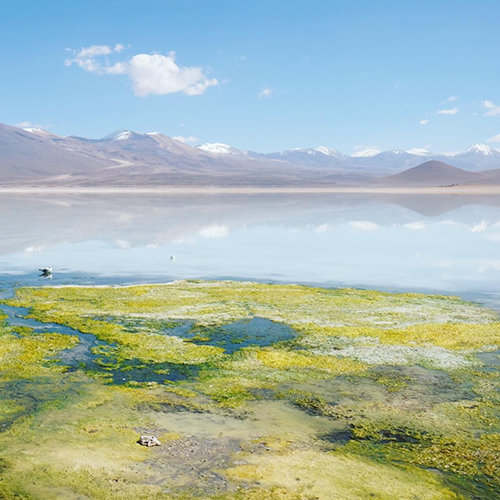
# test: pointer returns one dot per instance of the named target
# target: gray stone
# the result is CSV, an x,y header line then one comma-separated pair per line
x,y
149,441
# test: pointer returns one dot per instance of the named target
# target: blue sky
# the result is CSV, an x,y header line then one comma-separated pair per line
x,y
265,75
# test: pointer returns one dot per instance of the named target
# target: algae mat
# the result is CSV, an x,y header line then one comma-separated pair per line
x,y
256,392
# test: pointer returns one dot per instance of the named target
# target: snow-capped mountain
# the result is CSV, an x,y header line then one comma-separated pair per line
x,y
217,148
369,153
320,150
420,152
320,156
131,158
124,135
366,153
326,151
393,161
477,157
139,158
27,155
35,130
482,149
40,132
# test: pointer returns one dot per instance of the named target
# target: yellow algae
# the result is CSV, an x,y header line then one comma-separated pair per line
x,y
83,447
458,336
220,301
306,417
284,360
26,356
339,476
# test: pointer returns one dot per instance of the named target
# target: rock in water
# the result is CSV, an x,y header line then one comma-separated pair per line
x,y
149,441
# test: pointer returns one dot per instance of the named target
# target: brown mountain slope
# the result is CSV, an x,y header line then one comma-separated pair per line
x,y
127,158
429,174
25,155
489,178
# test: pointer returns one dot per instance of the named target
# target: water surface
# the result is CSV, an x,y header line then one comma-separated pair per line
x,y
431,243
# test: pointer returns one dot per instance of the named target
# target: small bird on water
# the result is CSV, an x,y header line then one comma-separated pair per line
x,y
46,271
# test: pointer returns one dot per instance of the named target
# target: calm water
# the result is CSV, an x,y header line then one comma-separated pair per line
x,y
439,243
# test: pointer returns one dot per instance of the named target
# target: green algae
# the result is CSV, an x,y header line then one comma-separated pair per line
x,y
376,395
456,336
213,303
24,355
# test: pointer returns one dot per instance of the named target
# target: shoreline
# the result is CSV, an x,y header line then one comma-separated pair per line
x,y
165,190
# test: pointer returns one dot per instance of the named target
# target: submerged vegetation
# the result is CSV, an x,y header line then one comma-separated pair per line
x,y
255,391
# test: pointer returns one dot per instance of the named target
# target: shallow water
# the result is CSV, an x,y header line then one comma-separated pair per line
x,y
441,243
263,418
244,333
99,403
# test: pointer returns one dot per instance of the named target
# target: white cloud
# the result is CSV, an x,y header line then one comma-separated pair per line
x,y
452,98
34,249
424,122
364,225
452,111
215,231
265,92
416,226
87,59
477,227
322,228
124,244
155,74
31,125
494,237
160,75
495,138
186,140
493,109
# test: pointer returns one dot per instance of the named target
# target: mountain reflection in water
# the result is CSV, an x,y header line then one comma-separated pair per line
x,y
445,243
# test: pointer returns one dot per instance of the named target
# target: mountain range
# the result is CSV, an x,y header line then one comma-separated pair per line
x,y
36,157
475,158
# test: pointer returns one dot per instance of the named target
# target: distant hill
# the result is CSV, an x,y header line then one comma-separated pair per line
x,y
430,174
29,155
475,158
489,177
127,158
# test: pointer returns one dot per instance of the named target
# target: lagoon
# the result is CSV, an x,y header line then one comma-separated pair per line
x,y
256,388
435,243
